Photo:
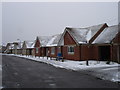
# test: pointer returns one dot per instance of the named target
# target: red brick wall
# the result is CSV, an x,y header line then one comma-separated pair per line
x,y
89,52
93,52
68,40
37,44
75,56
117,39
116,53
77,53
84,52
115,49
43,51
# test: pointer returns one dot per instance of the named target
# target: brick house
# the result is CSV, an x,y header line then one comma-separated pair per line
x,y
47,45
108,44
98,42
76,42
9,48
53,47
2,48
19,47
15,47
28,48
40,43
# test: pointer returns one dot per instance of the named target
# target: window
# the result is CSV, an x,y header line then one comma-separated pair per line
x,y
36,50
53,50
59,49
70,49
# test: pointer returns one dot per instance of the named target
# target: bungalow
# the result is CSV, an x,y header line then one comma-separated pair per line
x,y
53,47
19,48
28,48
14,49
9,48
2,48
108,44
76,42
39,47
47,45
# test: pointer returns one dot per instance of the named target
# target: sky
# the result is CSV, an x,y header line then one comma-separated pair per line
x,y
26,20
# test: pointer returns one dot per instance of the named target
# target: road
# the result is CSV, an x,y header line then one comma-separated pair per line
x,y
24,73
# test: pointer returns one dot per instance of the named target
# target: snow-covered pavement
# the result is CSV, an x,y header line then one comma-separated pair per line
x,y
106,73
99,69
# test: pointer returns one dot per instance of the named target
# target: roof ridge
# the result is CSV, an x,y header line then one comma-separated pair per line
x,y
95,25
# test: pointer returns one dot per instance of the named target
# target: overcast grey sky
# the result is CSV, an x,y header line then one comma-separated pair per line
x,y
28,20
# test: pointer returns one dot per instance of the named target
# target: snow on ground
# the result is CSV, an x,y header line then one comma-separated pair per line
x,y
97,68
1,87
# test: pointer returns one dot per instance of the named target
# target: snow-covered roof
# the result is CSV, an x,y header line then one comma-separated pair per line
x,y
54,40
11,46
15,45
30,44
33,44
83,35
108,34
20,44
44,40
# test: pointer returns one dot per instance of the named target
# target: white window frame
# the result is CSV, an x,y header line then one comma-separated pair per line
x,y
71,51
52,50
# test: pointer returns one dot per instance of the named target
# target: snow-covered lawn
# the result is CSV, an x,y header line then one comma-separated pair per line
x,y
98,69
